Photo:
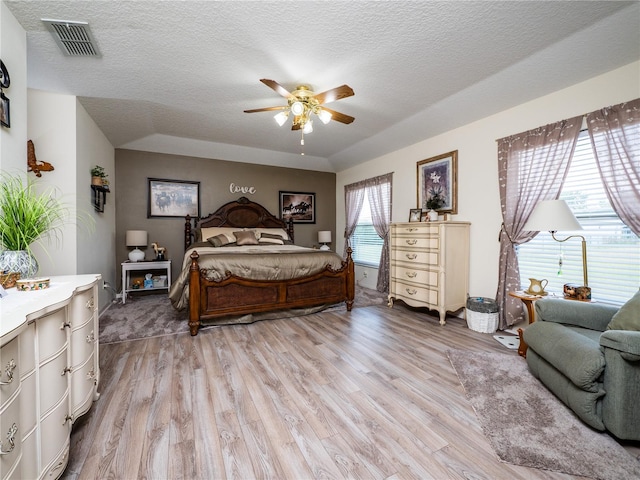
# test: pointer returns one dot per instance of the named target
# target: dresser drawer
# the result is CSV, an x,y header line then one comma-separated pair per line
x,y
52,334
422,229
416,241
412,294
83,341
415,257
82,307
9,369
416,275
53,382
10,435
83,385
55,431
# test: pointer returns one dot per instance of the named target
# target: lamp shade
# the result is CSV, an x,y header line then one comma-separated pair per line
x,y
552,216
136,238
324,236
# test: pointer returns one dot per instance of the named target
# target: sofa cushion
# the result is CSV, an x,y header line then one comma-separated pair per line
x,y
592,315
628,317
573,351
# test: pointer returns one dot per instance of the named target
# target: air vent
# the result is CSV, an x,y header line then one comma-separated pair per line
x,y
73,38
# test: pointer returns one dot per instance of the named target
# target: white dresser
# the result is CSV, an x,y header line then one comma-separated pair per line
x,y
429,265
48,373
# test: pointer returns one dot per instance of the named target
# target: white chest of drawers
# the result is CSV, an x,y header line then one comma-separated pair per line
x,y
48,373
429,265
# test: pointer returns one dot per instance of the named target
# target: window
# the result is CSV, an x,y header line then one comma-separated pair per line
x,y
613,250
365,242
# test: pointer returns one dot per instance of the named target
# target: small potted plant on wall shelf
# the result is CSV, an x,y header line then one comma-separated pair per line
x,y
434,203
99,176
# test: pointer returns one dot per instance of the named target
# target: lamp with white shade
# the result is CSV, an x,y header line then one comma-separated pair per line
x,y
136,238
553,216
324,237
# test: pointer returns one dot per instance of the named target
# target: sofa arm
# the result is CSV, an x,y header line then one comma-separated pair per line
x,y
627,342
594,316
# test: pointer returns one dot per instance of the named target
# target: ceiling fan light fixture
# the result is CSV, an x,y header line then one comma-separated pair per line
x,y
308,127
325,117
281,118
297,108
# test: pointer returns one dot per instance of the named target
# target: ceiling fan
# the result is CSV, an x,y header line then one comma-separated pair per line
x,y
303,102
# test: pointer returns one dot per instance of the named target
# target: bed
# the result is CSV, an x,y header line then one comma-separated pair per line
x,y
257,270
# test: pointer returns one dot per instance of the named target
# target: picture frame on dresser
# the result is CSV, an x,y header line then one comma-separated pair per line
x,y
415,215
438,176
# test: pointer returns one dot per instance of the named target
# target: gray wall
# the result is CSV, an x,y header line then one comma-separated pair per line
x,y
133,168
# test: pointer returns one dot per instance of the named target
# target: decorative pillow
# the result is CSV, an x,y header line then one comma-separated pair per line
x,y
270,238
247,237
221,240
208,232
628,317
273,231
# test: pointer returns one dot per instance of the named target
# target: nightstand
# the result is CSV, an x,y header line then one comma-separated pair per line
x,y
154,267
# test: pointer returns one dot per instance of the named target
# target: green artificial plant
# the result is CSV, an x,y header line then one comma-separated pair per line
x,y
26,215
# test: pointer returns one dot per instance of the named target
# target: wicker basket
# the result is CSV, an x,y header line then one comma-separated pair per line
x,y
482,314
8,280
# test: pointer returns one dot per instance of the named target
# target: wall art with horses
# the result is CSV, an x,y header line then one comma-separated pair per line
x,y
173,198
301,207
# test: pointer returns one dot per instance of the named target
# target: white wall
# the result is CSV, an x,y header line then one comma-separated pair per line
x,y
13,52
478,193
65,136
95,251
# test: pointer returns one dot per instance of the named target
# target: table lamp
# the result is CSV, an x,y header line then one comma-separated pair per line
x,y
555,215
136,238
324,237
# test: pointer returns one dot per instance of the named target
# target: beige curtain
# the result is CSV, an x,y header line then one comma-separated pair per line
x,y
532,167
379,191
353,200
615,137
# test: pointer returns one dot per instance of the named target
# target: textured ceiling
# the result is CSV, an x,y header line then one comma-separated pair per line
x,y
175,77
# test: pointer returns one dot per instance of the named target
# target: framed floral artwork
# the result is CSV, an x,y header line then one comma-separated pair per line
x,y
438,183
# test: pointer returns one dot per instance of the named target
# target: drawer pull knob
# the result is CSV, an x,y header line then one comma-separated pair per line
x,y
67,418
90,303
91,337
11,366
412,242
65,325
412,256
410,229
66,370
412,274
11,438
411,291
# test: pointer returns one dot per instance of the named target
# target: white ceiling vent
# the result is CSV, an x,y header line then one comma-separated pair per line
x,y
73,38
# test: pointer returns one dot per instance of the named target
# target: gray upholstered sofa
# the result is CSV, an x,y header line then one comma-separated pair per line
x,y
588,355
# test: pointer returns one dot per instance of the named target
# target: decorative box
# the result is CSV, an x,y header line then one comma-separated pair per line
x,y
31,284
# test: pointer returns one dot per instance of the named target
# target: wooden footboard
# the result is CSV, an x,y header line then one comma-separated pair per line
x,y
238,296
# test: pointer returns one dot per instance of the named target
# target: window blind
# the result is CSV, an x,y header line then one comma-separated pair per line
x,y
365,242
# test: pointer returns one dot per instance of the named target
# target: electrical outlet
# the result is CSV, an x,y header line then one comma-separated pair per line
x,y
105,285
365,274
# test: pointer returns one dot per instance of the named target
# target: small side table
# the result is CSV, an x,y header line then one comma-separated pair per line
x,y
149,266
528,301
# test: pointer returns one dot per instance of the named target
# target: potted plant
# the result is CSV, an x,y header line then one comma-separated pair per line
x,y
26,216
434,203
98,176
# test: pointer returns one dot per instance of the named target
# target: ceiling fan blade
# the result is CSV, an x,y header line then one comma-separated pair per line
x,y
339,117
334,94
266,109
279,89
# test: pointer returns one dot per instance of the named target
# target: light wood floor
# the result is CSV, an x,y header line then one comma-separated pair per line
x,y
370,394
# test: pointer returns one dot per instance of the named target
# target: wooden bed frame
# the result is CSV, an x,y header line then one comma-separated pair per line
x,y
233,295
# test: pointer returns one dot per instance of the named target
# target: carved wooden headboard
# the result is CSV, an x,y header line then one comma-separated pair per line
x,y
242,213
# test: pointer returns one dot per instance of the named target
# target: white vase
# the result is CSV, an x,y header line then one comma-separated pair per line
x,y
18,261
433,215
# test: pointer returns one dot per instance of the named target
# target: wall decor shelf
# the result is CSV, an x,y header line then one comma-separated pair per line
x,y
99,196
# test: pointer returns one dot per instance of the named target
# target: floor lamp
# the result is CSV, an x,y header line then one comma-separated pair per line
x,y
555,215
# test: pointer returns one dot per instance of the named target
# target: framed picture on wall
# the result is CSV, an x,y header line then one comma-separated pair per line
x,y
301,207
173,198
438,183
5,118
